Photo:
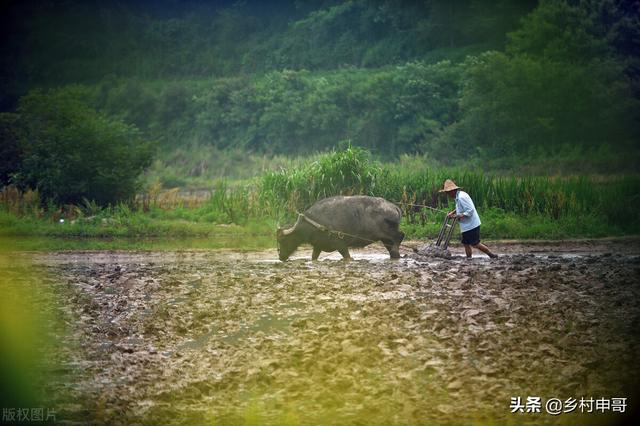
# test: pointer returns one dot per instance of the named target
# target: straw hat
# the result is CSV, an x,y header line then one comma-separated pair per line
x,y
449,185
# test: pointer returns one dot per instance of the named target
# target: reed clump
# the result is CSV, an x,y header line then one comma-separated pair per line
x,y
353,171
20,203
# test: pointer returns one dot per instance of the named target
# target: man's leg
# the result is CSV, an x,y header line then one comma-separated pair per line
x,y
467,250
485,250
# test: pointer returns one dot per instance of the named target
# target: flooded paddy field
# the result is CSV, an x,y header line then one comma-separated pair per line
x,y
224,337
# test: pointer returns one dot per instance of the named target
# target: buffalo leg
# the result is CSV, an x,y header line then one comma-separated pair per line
x,y
316,253
345,253
393,248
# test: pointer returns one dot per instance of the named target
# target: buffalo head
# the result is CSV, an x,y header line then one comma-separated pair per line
x,y
288,240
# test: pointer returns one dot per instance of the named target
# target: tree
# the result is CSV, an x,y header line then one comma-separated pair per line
x,y
71,152
10,155
559,87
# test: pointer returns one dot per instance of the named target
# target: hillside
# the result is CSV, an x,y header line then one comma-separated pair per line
x,y
55,43
472,82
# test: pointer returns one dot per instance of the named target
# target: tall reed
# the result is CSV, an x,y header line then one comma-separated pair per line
x,y
614,200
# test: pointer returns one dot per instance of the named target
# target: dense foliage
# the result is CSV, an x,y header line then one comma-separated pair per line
x,y
70,152
81,41
388,111
559,87
492,84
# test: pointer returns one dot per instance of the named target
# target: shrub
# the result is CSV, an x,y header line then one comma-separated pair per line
x,y
71,152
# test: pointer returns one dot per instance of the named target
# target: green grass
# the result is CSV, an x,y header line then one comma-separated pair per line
x,y
242,243
499,225
141,231
179,234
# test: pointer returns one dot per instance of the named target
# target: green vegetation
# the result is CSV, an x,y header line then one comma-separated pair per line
x,y
547,93
245,215
501,84
167,40
194,124
70,152
264,107
519,207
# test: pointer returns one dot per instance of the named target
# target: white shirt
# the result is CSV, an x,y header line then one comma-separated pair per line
x,y
464,206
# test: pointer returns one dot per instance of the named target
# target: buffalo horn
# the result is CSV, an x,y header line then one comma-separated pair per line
x,y
293,228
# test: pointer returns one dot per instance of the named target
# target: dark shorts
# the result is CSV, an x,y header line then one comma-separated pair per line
x,y
471,237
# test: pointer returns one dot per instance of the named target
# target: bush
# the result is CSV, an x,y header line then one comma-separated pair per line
x,y
71,152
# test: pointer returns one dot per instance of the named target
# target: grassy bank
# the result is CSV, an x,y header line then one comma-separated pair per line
x,y
177,234
245,214
139,231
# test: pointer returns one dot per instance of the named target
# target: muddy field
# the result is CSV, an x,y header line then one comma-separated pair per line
x,y
239,338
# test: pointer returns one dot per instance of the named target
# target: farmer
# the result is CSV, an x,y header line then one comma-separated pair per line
x,y
468,217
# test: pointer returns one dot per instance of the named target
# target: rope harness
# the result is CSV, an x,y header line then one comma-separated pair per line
x,y
339,234
420,205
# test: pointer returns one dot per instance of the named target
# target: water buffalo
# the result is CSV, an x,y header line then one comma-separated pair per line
x,y
337,223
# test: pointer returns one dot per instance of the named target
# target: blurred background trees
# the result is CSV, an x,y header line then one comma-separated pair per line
x,y
497,84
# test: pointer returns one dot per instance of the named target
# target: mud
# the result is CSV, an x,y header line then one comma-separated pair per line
x,y
240,338
429,250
